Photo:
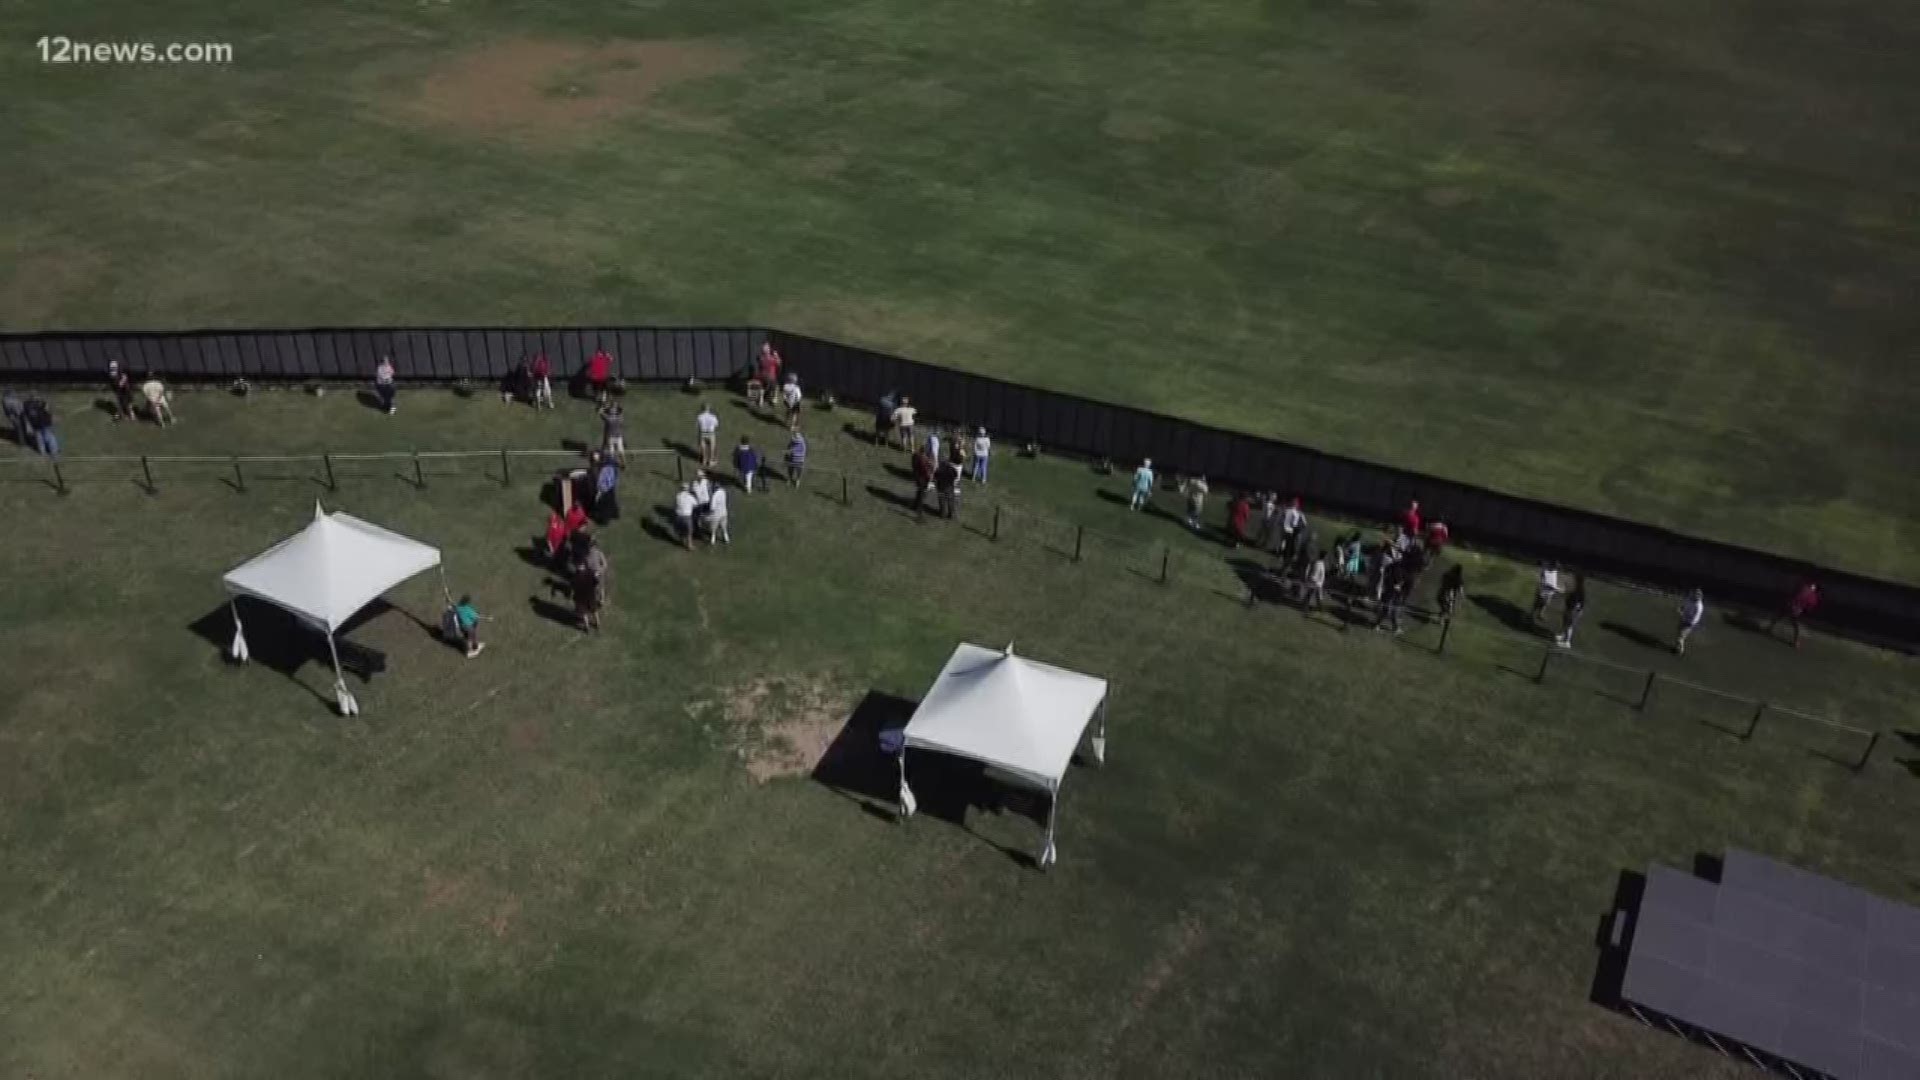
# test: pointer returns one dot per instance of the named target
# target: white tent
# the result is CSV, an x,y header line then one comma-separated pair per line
x,y
1016,715
324,574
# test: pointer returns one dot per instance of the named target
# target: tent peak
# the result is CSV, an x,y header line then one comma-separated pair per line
x,y
319,512
1009,649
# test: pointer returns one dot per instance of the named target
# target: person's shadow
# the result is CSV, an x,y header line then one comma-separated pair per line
x,y
1509,614
662,525
1151,508
1635,635
369,399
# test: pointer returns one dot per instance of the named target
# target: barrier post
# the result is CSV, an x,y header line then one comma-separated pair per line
x,y
332,484
1759,710
146,468
679,468
1646,692
239,478
1546,659
996,521
419,478
1873,743
1079,534
506,469
1446,627
1166,556
59,481
845,498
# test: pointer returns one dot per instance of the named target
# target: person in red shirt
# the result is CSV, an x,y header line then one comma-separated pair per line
x,y
1799,606
769,367
599,369
1410,520
1437,536
1238,515
576,518
556,533
541,374
923,467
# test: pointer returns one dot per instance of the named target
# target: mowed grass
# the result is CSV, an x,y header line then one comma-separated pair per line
x,y
1646,258
1312,851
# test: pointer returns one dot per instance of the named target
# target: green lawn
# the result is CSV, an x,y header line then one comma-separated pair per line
x,y
1646,258
1313,851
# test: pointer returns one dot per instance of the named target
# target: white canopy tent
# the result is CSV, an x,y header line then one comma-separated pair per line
x,y
1018,716
324,574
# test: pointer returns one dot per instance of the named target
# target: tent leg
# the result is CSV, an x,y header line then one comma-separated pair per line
x,y
348,706
1048,856
908,804
1100,732
448,593
238,651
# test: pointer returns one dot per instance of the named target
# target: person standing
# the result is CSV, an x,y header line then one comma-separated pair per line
x,y
982,447
684,504
1292,520
1410,518
883,418
707,427
467,618
613,431
746,462
589,586
702,488
39,420
159,403
1545,591
791,395
383,383
933,443
556,534
540,378
717,531
16,413
122,386
1799,606
1142,485
599,373
1437,536
1453,584
1393,601
606,491
1692,610
903,417
769,368
923,469
796,457
1196,501
1239,516
1575,607
946,481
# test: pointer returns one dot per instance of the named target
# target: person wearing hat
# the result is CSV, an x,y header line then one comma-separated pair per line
x,y
1691,612
684,504
982,446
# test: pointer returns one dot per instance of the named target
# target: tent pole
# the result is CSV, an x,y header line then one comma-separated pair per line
x,y
448,593
1047,853
239,648
1100,733
907,802
348,706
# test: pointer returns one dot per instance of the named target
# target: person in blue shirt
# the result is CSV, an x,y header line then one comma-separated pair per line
x,y
1142,485
606,490
746,461
796,457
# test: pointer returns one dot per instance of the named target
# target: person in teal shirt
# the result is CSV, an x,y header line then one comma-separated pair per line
x,y
467,618
1142,485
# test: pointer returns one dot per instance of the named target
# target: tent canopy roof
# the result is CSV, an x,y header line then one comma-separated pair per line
x,y
1018,715
332,568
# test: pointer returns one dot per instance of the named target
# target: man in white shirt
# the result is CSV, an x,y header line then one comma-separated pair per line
x,y
1691,612
702,488
717,518
1548,589
982,446
790,393
903,422
684,505
708,426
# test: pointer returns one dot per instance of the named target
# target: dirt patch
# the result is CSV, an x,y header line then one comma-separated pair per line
x,y
1135,126
526,736
1447,196
780,727
531,87
38,284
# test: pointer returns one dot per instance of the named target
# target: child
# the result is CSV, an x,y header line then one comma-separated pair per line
x,y
746,461
556,534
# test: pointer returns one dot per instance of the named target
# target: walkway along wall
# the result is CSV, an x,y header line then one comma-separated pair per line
x,y
1881,611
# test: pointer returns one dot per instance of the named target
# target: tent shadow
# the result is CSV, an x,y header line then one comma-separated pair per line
x,y
282,644
1511,615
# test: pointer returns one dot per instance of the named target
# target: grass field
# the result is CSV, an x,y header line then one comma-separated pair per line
x,y
1649,258
1314,850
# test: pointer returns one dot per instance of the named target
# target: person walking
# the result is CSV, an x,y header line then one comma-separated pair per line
x,y
589,586
540,380
613,431
946,481
702,488
1692,610
1239,516
16,413
883,418
1142,485
122,386
717,531
903,417
160,403
39,420
1575,607
1316,592
768,368
796,457
923,470
684,504
933,443
746,462
1410,518
790,394
1292,521
1799,606
1545,591
466,618
1393,601
982,448
599,373
1453,584
1196,488
707,425
606,491
383,383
